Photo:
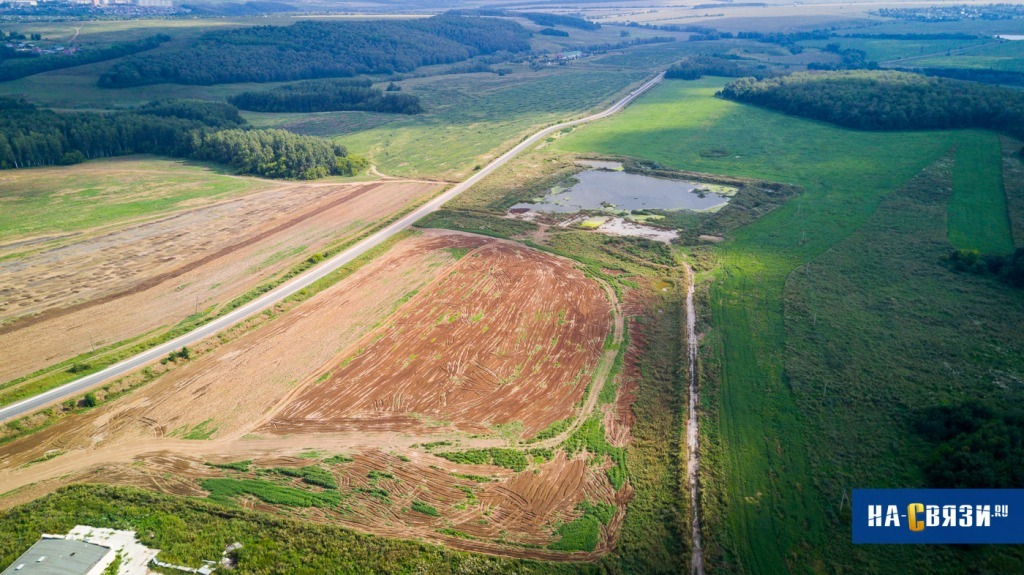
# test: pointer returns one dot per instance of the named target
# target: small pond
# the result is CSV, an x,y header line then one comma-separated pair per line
x,y
621,191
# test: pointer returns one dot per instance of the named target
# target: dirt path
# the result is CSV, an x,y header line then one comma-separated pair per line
x,y
692,435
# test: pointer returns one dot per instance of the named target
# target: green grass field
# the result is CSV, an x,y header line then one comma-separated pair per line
x,y
65,199
469,116
772,517
1007,56
977,209
879,330
882,50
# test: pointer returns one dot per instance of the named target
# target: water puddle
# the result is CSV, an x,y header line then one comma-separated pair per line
x,y
615,191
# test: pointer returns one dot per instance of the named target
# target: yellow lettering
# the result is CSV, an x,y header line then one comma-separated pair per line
x,y
912,510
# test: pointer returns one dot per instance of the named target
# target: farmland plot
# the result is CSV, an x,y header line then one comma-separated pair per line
x,y
507,337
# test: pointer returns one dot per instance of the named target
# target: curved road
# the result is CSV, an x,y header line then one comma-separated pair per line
x,y
272,297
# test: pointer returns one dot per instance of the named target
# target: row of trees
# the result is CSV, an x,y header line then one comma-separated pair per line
x,y
18,67
849,59
696,67
886,100
312,49
329,95
545,19
32,137
983,75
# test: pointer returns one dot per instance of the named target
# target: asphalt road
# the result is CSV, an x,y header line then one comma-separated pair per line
x,y
272,297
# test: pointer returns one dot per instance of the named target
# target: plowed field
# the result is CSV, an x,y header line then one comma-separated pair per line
x,y
445,336
510,335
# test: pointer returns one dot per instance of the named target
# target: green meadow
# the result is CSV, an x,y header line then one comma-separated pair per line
x,y
884,49
65,199
767,506
978,219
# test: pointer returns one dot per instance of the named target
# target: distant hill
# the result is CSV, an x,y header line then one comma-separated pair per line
x,y
321,50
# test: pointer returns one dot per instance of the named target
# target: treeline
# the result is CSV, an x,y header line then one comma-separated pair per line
x,y
985,76
886,100
545,19
331,95
1007,268
12,69
696,67
31,137
935,36
974,445
312,49
553,32
598,48
849,59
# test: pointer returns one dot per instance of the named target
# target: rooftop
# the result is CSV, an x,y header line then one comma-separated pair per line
x,y
58,557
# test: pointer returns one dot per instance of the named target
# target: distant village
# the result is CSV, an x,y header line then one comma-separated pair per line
x,y
74,6
954,13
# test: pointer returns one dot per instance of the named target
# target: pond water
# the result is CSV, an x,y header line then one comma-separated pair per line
x,y
601,189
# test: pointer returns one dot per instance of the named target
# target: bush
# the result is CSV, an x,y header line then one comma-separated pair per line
x,y
1008,269
425,508
89,400
500,456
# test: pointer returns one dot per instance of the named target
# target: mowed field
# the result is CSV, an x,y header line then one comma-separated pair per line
x,y
772,493
177,243
446,337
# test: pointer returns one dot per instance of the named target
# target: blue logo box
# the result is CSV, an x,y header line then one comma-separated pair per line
x,y
938,516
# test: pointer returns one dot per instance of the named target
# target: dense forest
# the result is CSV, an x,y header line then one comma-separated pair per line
x,y
329,95
312,49
13,68
32,137
696,67
886,100
974,445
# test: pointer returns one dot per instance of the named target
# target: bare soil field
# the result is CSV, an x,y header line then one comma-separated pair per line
x,y
112,284
368,368
510,335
